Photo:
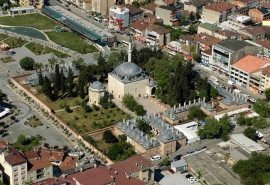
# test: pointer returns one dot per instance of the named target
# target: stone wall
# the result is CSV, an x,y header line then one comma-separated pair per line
x,y
46,108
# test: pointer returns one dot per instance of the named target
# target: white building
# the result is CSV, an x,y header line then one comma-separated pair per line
x,y
246,143
189,130
119,17
129,78
96,90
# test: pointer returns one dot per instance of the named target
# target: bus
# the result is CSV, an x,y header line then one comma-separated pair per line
x,y
97,19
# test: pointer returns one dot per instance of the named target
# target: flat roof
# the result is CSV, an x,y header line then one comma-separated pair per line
x,y
233,45
246,143
178,163
188,129
22,8
238,111
211,27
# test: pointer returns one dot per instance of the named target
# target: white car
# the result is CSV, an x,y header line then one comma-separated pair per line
x,y
252,100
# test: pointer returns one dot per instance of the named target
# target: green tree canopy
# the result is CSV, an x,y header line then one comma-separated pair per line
x,y
143,126
196,113
27,63
213,92
267,94
22,139
108,137
262,107
251,133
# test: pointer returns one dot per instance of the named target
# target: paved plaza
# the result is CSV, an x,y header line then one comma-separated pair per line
x,y
211,171
150,106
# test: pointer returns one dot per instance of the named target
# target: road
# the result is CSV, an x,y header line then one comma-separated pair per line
x,y
206,72
102,25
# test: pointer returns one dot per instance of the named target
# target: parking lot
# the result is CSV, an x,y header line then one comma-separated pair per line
x,y
211,169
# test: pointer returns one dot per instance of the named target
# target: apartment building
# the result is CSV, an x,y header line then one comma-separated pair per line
x,y
265,79
196,6
13,164
228,51
244,5
168,14
259,14
36,3
102,6
247,72
218,12
119,17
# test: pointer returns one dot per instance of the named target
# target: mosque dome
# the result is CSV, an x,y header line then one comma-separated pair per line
x,y
97,85
128,69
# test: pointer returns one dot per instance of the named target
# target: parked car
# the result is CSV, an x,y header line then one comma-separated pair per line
x,y
171,171
176,158
188,176
252,100
155,158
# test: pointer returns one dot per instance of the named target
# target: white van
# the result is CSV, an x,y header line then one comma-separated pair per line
x,y
155,158
97,19
230,82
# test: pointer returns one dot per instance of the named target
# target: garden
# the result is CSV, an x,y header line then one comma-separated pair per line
x,y
7,59
25,144
72,41
34,122
39,49
15,42
3,37
34,20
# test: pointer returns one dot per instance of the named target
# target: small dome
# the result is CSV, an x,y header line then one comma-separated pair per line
x,y
133,133
120,124
97,85
166,136
138,136
124,127
142,140
128,69
147,143
155,142
128,130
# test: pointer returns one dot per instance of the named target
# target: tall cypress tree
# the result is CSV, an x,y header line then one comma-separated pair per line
x,y
62,81
57,81
40,79
70,79
47,89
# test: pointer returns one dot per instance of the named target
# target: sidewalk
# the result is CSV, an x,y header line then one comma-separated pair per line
x,y
122,107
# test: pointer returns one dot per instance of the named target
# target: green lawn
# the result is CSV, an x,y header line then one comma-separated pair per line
x,y
32,142
38,49
7,59
15,42
34,20
86,122
34,122
266,177
3,36
72,41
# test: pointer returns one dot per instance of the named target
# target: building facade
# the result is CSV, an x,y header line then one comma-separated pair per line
x,y
119,17
218,12
102,6
36,3
96,90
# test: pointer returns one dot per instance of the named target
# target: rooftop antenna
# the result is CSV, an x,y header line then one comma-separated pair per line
x,y
129,50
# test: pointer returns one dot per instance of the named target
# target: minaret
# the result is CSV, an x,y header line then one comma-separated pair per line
x,y
129,50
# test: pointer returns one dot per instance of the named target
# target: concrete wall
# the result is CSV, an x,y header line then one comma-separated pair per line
x,y
211,16
164,14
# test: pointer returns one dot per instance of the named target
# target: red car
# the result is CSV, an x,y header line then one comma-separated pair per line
x,y
171,171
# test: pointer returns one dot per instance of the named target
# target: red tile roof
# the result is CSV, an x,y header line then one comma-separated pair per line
x,y
250,63
87,1
2,144
31,155
207,52
263,42
219,6
139,25
131,164
206,39
133,9
68,163
151,7
168,2
36,164
14,157
266,5
96,176
53,156
266,71
151,19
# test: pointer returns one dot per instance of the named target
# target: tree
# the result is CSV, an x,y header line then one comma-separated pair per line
x,y
267,94
63,81
192,29
196,112
103,101
213,92
79,63
70,82
210,129
251,133
165,161
192,16
47,89
136,4
139,110
203,94
114,60
108,137
225,127
122,137
243,121
27,63
143,126
261,107
57,84
22,139
40,79
182,20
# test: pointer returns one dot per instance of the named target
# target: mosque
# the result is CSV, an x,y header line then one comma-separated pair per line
x,y
129,78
